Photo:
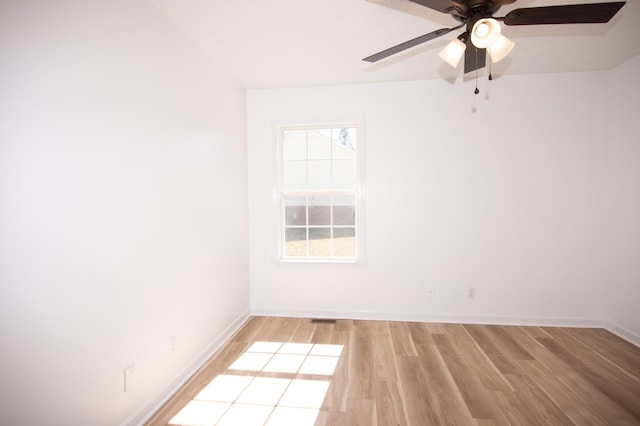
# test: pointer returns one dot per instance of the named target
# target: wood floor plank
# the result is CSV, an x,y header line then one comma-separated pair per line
x,y
338,337
396,373
488,339
486,370
362,412
344,325
610,347
436,328
538,351
459,337
323,333
508,345
420,336
336,396
623,385
607,408
534,331
463,372
497,339
442,391
576,396
583,387
360,365
304,332
383,358
420,408
403,344
279,329
251,329
534,404
389,406
606,377
574,407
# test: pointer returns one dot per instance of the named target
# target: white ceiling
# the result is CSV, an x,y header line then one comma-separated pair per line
x,y
291,43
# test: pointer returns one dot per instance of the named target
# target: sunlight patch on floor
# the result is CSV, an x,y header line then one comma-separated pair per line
x,y
235,399
305,394
197,413
224,388
285,416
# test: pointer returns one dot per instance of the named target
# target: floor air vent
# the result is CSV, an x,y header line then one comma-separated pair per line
x,y
323,321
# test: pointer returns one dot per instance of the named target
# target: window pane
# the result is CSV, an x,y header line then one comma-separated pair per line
x,y
319,210
346,136
295,175
344,174
294,145
295,211
319,174
344,210
320,242
295,242
344,146
319,144
344,242
319,215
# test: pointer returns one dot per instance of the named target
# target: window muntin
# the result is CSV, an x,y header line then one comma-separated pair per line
x,y
319,193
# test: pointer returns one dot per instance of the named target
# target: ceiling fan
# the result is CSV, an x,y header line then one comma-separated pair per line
x,y
482,30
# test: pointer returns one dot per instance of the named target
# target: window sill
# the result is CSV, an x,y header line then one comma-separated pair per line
x,y
320,261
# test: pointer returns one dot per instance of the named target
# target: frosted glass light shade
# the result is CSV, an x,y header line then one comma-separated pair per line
x,y
501,48
452,53
485,32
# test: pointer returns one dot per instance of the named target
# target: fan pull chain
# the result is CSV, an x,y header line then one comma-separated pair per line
x,y
476,91
490,64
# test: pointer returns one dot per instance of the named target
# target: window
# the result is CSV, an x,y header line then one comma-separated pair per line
x,y
319,195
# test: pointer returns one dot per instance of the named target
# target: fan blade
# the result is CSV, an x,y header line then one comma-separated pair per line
x,y
407,44
595,13
444,6
474,58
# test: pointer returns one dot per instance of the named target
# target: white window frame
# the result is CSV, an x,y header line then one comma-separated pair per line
x,y
279,198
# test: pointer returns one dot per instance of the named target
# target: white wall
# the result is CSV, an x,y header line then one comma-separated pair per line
x,y
622,289
122,209
502,192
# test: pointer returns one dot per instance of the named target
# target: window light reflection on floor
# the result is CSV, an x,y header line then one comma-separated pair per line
x,y
224,388
264,391
284,363
251,361
292,416
241,415
197,413
233,399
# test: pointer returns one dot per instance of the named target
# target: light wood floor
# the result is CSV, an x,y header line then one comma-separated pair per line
x,y
399,373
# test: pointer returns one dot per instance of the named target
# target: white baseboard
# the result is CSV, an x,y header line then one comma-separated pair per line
x,y
619,331
422,317
156,403
623,333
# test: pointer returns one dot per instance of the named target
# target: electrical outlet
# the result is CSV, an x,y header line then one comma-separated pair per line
x,y
129,377
472,293
172,344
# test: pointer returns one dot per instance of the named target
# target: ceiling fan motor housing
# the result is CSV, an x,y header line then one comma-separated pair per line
x,y
476,14
464,10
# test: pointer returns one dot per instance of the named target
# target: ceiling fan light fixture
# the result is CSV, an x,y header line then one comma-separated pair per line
x,y
500,48
485,32
453,52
